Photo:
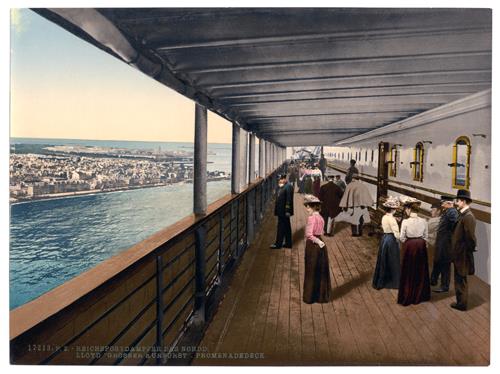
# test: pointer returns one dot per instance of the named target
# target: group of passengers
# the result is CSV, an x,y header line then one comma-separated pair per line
x,y
449,234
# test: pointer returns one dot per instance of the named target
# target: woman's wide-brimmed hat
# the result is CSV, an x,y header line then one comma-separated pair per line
x,y
311,199
391,202
407,200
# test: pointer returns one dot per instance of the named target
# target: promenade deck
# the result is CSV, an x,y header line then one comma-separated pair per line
x,y
263,313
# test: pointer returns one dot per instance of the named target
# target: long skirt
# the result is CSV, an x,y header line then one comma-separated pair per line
x,y
308,185
414,286
317,285
387,270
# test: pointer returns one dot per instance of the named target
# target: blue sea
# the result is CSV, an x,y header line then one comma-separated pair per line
x,y
52,241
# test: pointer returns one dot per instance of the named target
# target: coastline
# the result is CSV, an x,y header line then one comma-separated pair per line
x,y
63,195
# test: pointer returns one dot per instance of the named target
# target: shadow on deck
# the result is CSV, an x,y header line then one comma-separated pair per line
x,y
263,321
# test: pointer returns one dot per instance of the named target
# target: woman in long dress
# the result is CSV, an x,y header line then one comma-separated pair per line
x,y
387,270
414,286
317,285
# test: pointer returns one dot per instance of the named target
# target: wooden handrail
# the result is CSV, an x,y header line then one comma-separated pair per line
x,y
49,304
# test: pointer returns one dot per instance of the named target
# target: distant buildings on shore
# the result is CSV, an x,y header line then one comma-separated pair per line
x,y
35,176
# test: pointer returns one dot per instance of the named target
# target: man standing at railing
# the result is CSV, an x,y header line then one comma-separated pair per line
x,y
283,209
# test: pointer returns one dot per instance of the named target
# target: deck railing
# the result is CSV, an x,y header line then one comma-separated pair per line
x,y
133,308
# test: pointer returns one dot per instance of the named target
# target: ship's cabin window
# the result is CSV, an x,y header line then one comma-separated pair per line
x,y
393,161
373,153
461,163
366,155
418,162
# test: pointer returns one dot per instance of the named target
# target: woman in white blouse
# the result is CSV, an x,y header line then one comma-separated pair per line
x,y
388,266
414,286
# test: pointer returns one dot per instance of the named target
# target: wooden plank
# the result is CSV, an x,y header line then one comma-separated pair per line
x,y
282,333
360,326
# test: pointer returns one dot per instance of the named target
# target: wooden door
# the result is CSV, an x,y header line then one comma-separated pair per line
x,y
383,170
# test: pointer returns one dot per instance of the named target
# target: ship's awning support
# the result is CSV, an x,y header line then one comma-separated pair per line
x,y
251,158
200,161
262,145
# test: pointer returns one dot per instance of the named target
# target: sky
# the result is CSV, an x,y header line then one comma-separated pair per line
x,y
63,87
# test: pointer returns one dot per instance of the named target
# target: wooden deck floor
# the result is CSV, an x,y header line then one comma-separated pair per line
x,y
263,313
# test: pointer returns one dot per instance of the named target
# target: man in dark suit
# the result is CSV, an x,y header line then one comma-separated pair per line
x,y
330,195
351,171
463,246
322,166
283,209
442,260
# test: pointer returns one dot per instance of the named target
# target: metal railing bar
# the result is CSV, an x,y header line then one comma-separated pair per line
x,y
178,276
179,294
174,259
212,255
99,319
211,271
177,316
124,331
137,340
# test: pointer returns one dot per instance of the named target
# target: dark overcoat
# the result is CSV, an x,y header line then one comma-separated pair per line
x,y
350,172
444,232
293,174
330,195
284,201
463,243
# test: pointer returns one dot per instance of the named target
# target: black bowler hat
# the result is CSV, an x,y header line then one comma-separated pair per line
x,y
282,176
445,198
464,194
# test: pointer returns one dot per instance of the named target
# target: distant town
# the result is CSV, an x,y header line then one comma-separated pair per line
x,y
40,171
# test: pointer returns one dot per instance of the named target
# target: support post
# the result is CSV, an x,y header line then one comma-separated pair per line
x,y
200,297
251,158
159,307
237,249
200,161
262,154
220,268
235,160
243,159
250,215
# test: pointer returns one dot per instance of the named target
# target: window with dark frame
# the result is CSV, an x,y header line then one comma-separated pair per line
x,y
461,163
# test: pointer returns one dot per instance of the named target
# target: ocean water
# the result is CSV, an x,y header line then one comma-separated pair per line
x,y
52,241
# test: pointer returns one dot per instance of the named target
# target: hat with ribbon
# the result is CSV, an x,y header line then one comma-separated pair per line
x,y
391,202
407,200
311,199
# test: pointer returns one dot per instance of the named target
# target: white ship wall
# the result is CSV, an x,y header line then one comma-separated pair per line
x,y
442,126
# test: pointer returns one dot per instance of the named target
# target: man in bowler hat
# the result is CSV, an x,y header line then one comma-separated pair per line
x,y
283,209
463,246
442,261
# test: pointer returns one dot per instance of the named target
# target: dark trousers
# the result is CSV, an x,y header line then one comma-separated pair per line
x,y
442,269
461,288
357,230
284,232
